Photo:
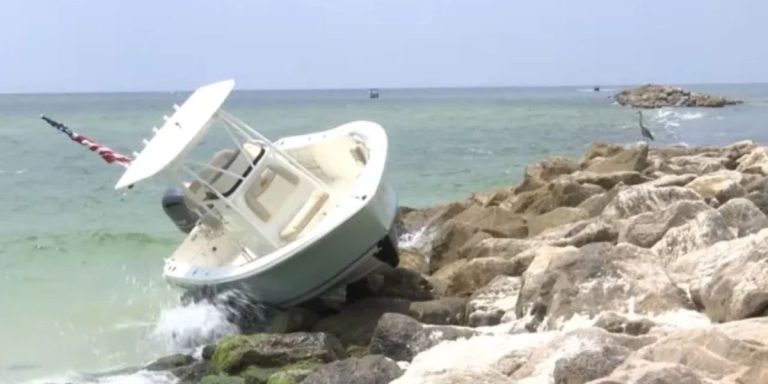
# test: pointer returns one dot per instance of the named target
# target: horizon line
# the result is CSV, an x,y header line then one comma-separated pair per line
x,y
396,88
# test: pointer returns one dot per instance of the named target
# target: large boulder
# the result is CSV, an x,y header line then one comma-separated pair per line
x,y
464,277
709,352
414,220
493,247
561,192
536,176
555,218
608,180
672,180
755,161
582,232
729,279
645,372
236,353
706,228
372,369
401,283
743,216
592,279
599,150
448,310
648,228
721,185
355,323
695,164
578,356
634,158
657,96
401,337
595,204
643,198
489,304
448,239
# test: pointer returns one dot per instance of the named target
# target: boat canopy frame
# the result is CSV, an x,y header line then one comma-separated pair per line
x,y
241,134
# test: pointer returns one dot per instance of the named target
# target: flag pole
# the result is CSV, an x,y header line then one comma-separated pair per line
x,y
106,153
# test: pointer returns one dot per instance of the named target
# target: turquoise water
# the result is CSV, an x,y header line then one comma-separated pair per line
x,y
80,286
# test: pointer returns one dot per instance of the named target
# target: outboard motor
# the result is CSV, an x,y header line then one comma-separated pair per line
x,y
175,206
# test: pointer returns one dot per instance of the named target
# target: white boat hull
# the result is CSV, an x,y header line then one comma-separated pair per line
x,y
346,254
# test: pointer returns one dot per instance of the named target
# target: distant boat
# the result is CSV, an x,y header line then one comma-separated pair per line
x,y
374,93
596,89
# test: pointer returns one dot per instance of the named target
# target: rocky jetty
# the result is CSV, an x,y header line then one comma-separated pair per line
x,y
631,265
657,96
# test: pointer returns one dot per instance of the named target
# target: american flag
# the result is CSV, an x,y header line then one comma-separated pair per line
x,y
106,153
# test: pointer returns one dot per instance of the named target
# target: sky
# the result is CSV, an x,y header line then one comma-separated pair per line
x,y
165,45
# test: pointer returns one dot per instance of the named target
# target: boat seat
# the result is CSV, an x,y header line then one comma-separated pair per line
x,y
305,215
270,190
232,161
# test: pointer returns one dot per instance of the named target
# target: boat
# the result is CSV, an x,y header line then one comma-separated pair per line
x,y
373,93
282,222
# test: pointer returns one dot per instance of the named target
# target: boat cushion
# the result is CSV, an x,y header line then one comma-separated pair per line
x,y
304,216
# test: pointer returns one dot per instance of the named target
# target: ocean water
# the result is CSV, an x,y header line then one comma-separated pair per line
x,y
80,263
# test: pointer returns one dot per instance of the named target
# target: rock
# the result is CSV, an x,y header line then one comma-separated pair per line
x,y
493,220
608,180
721,185
706,228
292,373
643,372
643,198
448,240
459,376
582,355
292,320
354,325
760,199
729,279
672,180
465,226
581,233
708,352
589,365
646,229
170,362
392,335
759,184
400,283
235,353
463,277
600,150
489,304
634,158
592,279
744,216
657,96
554,218
445,311
221,379
755,161
414,220
413,260
372,369
401,337
561,192
538,175
503,248
594,205
616,323
191,373
694,164
491,198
